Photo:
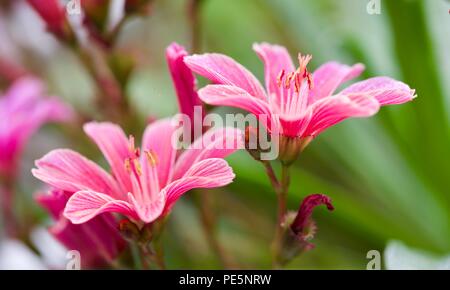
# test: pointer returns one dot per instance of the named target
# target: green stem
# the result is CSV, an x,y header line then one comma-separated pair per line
x,y
285,181
137,257
145,256
158,255
194,13
281,189
209,226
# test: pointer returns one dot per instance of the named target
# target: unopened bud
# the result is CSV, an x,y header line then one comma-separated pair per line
x,y
54,16
299,228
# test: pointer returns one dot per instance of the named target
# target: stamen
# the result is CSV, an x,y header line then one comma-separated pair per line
x,y
303,61
298,82
303,70
280,78
151,157
137,167
309,78
131,145
287,83
127,165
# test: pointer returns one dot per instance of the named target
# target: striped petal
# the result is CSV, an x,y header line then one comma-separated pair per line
x,y
223,95
158,139
329,76
276,59
386,90
224,70
113,143
332,110
208,173
67,170
85,205
215,143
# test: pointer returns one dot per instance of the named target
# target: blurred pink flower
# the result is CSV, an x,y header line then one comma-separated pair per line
x,y
296,103
98,241
184,83
23,110
144,185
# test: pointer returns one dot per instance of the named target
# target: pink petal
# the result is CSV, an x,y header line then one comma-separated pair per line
x,y
276,58
67,170
386,90
332,110
26,97
215,143
183,80
222,95
158,138
328,77
97,240
294,127
224,70
85,205
113,143
208,173
54,202
26,109
52,110
21,125
148,212
22,93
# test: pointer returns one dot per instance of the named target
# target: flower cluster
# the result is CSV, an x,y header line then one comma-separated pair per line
x,y
106,214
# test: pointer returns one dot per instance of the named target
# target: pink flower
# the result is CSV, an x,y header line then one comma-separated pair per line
x,y
24,110
146,183
297,104
184,83
98,241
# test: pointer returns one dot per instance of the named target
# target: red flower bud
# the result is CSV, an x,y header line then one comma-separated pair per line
x,y
303,218
52,13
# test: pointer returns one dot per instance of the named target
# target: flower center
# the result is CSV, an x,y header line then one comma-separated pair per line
x,y
132,163
143,187
297,77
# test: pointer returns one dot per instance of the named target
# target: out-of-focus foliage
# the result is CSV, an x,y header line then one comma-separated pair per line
x,y
388,175
397,256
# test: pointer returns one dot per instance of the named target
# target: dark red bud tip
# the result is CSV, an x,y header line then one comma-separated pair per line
x,y
302,220
51,12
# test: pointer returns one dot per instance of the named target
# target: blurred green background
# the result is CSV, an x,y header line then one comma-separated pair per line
x,y
388,175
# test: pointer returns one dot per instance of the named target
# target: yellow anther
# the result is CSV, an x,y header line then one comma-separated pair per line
x,y
151,157
127,165
137,166
287,83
